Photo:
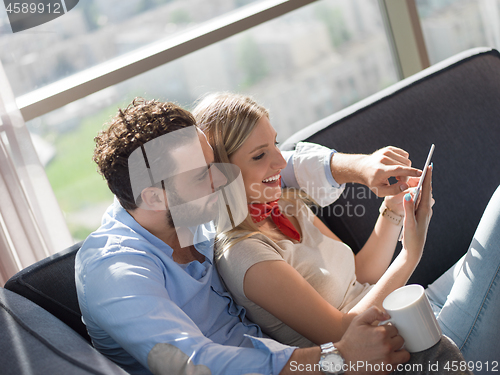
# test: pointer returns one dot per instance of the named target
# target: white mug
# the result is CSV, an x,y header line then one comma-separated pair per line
x,y
412,315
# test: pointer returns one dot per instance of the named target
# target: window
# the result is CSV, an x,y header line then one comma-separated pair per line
x,y
303,66
94,32
452,26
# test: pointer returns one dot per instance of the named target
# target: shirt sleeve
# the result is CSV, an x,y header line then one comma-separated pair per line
x,y
136,311
308,168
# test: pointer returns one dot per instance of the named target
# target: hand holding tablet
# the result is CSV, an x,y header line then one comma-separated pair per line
x,y
422,178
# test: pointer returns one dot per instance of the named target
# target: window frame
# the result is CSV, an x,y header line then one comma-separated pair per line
x,y
400,18
121,68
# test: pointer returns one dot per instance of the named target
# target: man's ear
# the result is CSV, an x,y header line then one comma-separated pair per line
x,y
154,199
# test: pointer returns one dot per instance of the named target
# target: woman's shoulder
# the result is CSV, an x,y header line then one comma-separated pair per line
x,y
235,261
250,245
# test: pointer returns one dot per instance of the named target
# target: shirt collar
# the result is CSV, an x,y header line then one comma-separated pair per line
x,y
203,235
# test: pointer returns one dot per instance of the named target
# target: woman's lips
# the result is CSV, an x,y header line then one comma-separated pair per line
x,y
273,183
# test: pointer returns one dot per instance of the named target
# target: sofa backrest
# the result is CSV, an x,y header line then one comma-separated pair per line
x,y
456,106
50,283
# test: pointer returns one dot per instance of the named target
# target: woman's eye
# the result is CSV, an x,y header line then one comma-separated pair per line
x,y
258,157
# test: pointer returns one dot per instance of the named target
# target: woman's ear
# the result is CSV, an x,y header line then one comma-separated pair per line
x,y
154,199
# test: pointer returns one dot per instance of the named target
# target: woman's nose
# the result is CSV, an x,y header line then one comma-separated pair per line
x,y
279,161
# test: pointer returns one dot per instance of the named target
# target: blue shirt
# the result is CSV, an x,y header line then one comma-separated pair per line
x,y
150,314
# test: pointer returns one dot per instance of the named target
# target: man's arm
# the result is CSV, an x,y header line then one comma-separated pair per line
x,y
367,347
126,297
374,170
322,173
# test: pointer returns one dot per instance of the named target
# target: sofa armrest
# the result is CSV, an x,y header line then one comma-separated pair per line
x,y
34,342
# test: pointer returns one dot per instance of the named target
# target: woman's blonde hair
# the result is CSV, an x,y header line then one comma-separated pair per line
x,y
227,120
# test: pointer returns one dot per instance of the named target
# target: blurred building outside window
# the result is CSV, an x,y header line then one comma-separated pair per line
x,y
452,26
303,66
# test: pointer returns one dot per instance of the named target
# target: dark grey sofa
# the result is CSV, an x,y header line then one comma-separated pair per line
x,y
41,326
455,104
35,342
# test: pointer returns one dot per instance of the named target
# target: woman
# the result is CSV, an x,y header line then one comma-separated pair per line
x,y
297,280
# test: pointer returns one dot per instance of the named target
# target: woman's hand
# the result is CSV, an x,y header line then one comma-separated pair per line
x,y
416,222
395,202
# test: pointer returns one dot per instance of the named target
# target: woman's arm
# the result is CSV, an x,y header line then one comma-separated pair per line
x,y
281,290
415,228
376,255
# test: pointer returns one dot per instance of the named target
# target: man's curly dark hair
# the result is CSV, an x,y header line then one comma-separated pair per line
x,y
142,121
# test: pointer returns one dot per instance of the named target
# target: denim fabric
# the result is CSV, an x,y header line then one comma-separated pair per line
x,y
467,297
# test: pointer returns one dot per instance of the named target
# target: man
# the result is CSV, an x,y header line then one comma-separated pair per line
x,y
148,290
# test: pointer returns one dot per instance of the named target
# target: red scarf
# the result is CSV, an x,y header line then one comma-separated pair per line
x,y
260,211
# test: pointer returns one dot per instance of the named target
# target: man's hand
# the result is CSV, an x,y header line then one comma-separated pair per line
x,y
375,170
364,343
365,347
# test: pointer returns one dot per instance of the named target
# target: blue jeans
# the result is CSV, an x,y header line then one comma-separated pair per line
x,y
466,299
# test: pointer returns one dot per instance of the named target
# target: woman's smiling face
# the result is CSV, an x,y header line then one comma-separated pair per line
x,y
260,162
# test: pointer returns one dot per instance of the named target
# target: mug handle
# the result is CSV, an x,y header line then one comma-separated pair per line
x,y
384,322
